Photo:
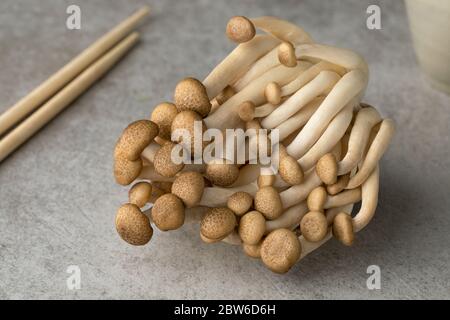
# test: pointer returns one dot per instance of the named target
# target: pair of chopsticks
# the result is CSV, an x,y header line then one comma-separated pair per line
x,y
63,87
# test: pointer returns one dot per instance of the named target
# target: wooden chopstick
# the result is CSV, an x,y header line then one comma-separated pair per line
x,y
49,87
64,97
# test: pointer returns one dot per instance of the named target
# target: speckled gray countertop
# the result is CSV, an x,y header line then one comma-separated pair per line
x,y
58,197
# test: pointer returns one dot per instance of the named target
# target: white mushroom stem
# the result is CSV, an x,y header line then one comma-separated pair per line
x,y
226,116
369,201
342,57
309,74
218,196
299,119
346,89
282,29
374,154
267,62
343,198
264,110
289,218
333,133
316,87
237,63
300,192
149,152
366,119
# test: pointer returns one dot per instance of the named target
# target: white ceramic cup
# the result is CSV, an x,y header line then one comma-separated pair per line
x,y
429,21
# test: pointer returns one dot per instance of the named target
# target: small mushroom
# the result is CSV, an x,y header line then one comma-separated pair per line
x,y
140,193
240,202
221,172
163,163
126,171
190,94
268,202
168,212
316,199
133,226
327,169
272,92
247,111
286,54
163,115
134,139
290,170
314,226
240,29
218,223
340,184
189,120
252,250
280,250
225,94
189,186
343,228
252,227
266,180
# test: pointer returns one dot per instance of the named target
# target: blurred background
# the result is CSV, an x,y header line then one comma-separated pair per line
x,y
58,197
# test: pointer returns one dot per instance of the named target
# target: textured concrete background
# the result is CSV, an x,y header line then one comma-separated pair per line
x,y
58,197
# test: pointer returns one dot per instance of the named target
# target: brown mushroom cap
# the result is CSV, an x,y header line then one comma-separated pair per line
x,y
163,161
165,186
268,202
266,180
225,94
186,120
253,251
240,202
126,171
132,225
246,111
343,228
286,54
327,168
163,115
168,212
190,94
290,170
316,199
340,184
272,92
134,139
240,29
221,172
252,227
314,226
140,193
208,240
280,250
189,186
217,223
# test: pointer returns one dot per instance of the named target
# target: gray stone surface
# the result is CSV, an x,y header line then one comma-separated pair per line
x,y
58,197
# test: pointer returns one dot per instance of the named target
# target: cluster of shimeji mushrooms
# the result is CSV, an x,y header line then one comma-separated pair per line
x,y
330,147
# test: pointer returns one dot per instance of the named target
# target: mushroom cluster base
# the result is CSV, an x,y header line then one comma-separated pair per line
x,y
277,80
